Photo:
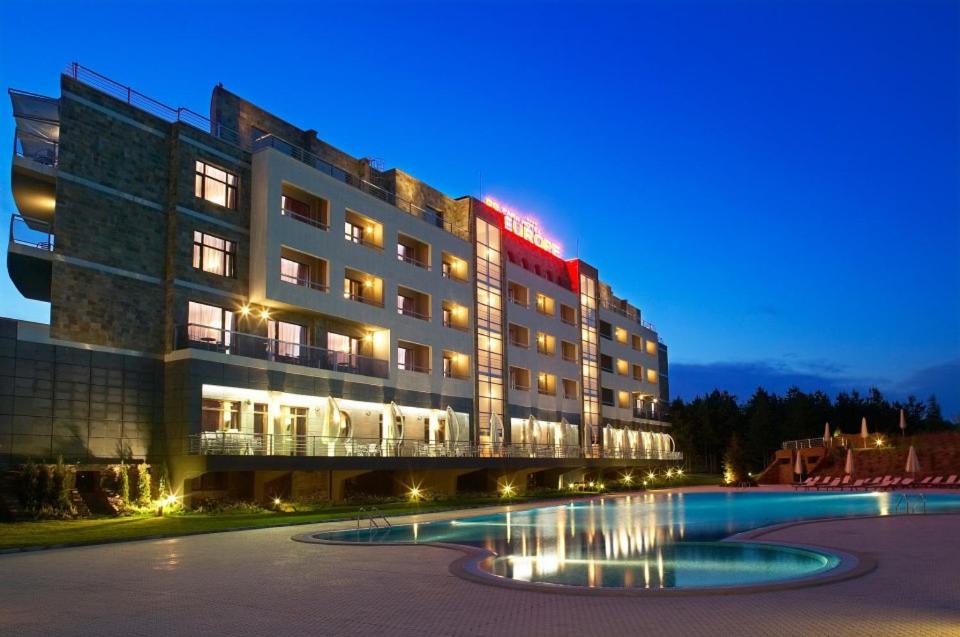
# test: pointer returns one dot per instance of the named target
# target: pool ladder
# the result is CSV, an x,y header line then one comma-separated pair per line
x,y
374,518
904,500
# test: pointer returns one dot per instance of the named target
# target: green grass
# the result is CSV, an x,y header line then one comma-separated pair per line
x,y
106,529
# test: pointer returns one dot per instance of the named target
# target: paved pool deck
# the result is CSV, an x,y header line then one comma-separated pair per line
x,y
262,583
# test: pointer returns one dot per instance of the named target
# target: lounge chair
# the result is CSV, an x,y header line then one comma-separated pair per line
x,y
859,484
883,482
936,481
925,481
950,483
906,482
845,481
835,484
806,484
893,483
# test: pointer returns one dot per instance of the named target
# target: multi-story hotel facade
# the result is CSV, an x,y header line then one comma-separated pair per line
x,y
260,313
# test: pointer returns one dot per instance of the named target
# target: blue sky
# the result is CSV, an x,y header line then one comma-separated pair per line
x,y
775,184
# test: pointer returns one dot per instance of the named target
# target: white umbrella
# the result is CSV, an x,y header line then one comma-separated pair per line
x,y
826,433
913,463
849,468
453,427
863,431
798,466
903,423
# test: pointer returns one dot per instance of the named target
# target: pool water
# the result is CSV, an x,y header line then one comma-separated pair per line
x,y
665,540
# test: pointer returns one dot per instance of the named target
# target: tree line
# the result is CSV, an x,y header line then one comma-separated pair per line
x,y
704,427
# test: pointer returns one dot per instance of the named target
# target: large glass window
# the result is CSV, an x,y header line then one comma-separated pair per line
x,y
209,324
215,185
352,232
213,254
342,343
220,415
294,272
288,336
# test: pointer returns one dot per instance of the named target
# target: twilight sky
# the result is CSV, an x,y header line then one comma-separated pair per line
x,y
775,184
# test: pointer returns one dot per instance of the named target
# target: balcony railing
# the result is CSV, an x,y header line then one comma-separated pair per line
x,y
360,298
807,443
413,261
316,223
413,367
451,324
31,232
262,348
305,282
412,312
231,443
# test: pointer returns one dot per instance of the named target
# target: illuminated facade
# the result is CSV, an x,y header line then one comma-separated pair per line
x,y
279,309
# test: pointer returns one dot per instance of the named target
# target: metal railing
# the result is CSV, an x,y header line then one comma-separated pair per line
x,y
316,223
360,298
34,233
413,261
251,444
452,325
372,514
406,311
262,348
904,500
37,149
807,443
305,282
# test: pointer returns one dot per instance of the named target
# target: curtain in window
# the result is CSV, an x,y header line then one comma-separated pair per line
x,y
209,323
293,271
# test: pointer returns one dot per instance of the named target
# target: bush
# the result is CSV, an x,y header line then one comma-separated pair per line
x,y
143,486
44,490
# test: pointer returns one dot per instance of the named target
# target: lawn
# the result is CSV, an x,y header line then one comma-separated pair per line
x,y
106,529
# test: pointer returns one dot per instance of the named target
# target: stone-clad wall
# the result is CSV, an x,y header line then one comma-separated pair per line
x,y
84,405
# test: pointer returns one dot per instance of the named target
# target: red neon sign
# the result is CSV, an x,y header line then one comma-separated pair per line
x,y
524,227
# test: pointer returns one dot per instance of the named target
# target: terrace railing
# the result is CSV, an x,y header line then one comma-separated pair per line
x,y
31,232
806,443
253,346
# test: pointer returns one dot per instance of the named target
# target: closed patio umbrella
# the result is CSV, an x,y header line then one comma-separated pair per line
x,y
826,434
848,469
913,463
798,467
903,423
863,431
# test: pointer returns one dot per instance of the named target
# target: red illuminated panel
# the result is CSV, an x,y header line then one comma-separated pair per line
x,y
524,227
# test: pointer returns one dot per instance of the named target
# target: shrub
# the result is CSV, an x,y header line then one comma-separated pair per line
x,y
143,486
123,479
29,479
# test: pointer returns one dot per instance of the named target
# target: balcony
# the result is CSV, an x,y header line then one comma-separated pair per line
x,y
36,154
413,303
193,336
30,256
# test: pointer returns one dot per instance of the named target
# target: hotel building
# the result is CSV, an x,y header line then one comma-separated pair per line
x,y
263,314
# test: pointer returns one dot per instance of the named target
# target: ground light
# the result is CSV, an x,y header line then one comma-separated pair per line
x,y
669,473
276,502
507,490
651,476
679,472
415,493
627,479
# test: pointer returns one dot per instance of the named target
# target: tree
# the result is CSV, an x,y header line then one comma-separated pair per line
x,y
733,467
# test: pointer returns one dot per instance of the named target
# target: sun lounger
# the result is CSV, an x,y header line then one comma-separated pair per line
x,y
950,483
859,484
806,484
835,484
906,482
893,483
936,481
925,481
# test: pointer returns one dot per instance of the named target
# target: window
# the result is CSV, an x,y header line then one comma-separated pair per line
x,y
353,289
651,375
404,357
606,396
260,419
637,343
519,378
209,324
623,400
546,384
304,208
569,351
545,304
447,366
352,232
213,254
518,294
288,338
446,269
569,389
606,330
637,372
220,415
413,357
294,272
606,363
568,314
342,343
215,185
622,367
546,344
452,267
413,251
621,335
519,335
651,347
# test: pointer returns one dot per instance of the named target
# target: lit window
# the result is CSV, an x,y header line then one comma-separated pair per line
x,y
220,415
294,272
213,254
352,232
209,324
287,337
342,343
215,185
404,358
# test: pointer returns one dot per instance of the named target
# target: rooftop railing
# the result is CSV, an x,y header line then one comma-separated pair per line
x,y
31,232
252,346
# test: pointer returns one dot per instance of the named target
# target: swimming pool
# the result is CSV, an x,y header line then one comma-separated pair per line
x,y
650,541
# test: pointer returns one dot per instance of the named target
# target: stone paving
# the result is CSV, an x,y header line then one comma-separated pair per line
x,y
262,583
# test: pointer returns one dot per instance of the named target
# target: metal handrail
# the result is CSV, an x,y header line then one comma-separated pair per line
x,y
305,282
359,298
19,225
230,342
413,313
372,514
304,219
903,499
413,261
50,156
236,443
412,367
807,443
